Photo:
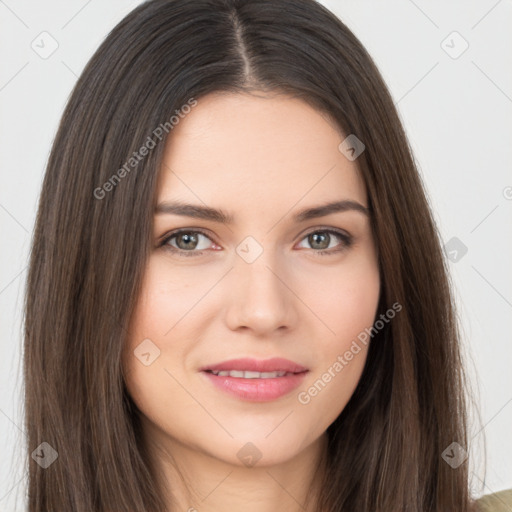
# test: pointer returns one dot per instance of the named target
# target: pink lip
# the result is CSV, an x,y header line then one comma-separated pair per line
x,y
257,390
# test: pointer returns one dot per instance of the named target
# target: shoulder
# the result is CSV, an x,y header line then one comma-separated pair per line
x,y
497,502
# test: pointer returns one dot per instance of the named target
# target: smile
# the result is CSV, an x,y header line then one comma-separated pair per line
x,y
255,380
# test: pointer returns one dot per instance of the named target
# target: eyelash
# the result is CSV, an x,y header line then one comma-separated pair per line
x,y
346,242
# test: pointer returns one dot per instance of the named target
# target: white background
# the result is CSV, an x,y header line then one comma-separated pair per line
x,y
457,113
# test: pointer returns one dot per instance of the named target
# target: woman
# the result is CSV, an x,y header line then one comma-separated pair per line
x,y
237,295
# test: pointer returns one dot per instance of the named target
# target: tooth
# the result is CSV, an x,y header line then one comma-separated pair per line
x,y
252,375
248,374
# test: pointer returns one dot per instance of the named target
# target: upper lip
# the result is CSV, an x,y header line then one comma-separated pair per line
x,y
276,364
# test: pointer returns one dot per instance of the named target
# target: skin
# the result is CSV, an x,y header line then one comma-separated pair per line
x,y
260,158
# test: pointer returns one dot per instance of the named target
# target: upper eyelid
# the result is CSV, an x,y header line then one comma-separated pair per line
x,y
176,232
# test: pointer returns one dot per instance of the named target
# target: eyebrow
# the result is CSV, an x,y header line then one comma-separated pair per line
x,y
219,215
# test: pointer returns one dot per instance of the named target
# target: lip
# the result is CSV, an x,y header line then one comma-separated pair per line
x,y
257,390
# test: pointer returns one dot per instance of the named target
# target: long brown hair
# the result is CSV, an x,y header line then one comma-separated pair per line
x,y
92,239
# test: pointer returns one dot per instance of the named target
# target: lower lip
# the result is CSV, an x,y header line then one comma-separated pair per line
x,y
257,390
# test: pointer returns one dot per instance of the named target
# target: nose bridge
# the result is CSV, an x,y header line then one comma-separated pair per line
x,y
260,300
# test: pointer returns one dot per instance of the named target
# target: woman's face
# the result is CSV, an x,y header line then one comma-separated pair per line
x,y
263,284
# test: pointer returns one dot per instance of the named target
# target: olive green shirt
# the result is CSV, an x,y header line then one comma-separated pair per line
x,y
497,502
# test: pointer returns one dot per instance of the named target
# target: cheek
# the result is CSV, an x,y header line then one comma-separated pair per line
x,y
341,358
166,297
152,386
165,315
354,308
344,298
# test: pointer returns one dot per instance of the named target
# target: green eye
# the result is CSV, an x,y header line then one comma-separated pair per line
x,y
320,241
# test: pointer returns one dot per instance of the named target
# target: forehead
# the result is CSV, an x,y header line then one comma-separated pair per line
x,y
253,152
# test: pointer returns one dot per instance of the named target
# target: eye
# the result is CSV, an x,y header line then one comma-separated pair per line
x,y
187,242
320,240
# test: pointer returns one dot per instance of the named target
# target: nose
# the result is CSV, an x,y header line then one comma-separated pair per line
x,y
261,297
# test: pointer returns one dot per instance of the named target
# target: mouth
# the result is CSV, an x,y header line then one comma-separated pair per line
x,y
254,380
249,375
